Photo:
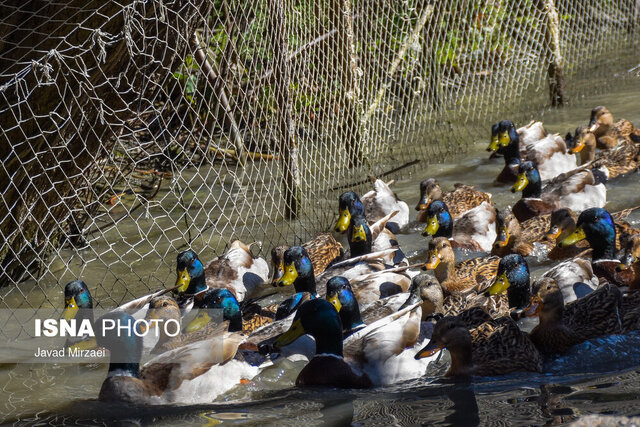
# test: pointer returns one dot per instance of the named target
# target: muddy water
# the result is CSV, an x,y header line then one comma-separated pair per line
x,y
599,377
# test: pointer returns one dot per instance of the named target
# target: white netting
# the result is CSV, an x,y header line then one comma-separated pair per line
x,y
131,130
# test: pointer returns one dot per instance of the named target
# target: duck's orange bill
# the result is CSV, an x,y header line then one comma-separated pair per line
x,y
429,350
554,232
534,307
433,262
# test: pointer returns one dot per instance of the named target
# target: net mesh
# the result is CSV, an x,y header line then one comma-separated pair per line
x,y
132,130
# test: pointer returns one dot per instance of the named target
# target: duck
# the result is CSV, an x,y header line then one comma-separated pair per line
x,y
629,261
350,206
530,133
549,153
459,201
514,277
237,270
222,299
596,225
323,250
607,133
381,201
496,347
580,189
469,274
561,327
181,375
574,277
328,368
475,230
509,236
619,159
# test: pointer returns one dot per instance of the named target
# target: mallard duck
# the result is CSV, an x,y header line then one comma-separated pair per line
x,y
323,250
350,206
597,227
630,261
237,270
361,239
494,348
358,270
579,189
195,373
509,236
513,276
381,201
532,132
606,132
462,199
474,230
469,274
619,160
222,299
560,327
548,153
327,368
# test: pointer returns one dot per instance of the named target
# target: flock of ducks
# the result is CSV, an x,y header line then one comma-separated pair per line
x,y
363,316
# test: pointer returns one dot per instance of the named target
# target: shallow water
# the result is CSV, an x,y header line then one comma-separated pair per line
x,y
604,382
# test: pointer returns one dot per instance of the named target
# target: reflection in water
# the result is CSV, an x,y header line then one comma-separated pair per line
x,y
465,407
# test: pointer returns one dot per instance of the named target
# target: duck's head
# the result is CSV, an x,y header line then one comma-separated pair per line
x,y
439,220
440,251
318,318
562,223
349,205
597,226
425,289
580,140
528,180
429,191
631,253
124,342
513,276
547,299
600,121
449,333
291,304
340,294
190,273
217,299
507,228
359,236
277,262
163,308
494,143
77,301
298,270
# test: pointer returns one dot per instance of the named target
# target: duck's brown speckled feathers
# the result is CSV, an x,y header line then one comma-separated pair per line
x,y
462,199
619,160
323,250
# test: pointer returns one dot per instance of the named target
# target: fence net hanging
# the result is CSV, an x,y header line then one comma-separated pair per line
x,y
132,130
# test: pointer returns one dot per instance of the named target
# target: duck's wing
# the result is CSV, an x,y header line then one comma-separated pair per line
x,y
568,273
478,224
551,157
382,201
599,313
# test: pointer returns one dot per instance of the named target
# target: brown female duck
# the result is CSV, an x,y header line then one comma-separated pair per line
x,y
462,199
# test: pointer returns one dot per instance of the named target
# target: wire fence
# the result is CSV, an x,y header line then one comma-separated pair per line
x,y
131,130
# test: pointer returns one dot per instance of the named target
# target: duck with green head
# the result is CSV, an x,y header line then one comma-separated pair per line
x,y
513,276
462,199
597,226
78,305
359,236
349,205
579,189
194,373
505,141
327,368
190,282
474,230
298,271
340,294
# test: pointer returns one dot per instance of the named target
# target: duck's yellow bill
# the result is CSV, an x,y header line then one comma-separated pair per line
x,y
432,226
579,146
295,331
335,301
70,309
199,322
554,232
289,277
344,219
494,144
573,238
504,139
502,239
499,286
88,344
434,260
521,183
182,282
358,234
431,349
